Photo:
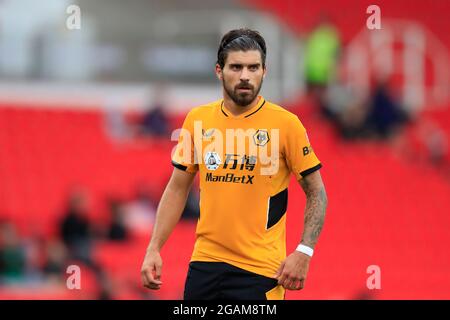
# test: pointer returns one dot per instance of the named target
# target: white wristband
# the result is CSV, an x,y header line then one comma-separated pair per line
x,y
305,249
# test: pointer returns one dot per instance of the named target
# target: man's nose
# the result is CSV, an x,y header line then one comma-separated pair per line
x,y
245,75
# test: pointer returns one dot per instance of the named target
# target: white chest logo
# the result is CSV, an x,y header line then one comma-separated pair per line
x,y
212,160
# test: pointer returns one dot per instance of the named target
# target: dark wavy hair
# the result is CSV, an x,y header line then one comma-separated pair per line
x,y
241,40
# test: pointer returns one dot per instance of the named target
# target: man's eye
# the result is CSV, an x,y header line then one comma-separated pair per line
x,y
253,68
235,67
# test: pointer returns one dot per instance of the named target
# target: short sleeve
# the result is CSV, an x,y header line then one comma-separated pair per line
x,y
299,154
184,157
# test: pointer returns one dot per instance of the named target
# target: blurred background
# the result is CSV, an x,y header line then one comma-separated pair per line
x,y
88,105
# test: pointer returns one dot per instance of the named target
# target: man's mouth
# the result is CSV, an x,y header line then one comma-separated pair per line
x,y
244,88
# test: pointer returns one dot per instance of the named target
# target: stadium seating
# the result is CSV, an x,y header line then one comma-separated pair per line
x,y
383,209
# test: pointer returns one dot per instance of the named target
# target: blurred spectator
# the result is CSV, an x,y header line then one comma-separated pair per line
x,y
349,111
12,253
435,142
155,121
140,212
116,126
106,287
321,57
75,228
35,249
386,115
117,229
55,265
378,116
363,294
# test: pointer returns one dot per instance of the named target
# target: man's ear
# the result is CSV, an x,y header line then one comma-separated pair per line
x,y
265,71
219,72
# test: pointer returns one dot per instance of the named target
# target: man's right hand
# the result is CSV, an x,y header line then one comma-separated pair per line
x,y
151,270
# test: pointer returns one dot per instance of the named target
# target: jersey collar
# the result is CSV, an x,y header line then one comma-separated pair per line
x,y
246,114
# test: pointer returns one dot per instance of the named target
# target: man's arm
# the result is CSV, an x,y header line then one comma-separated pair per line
x,y
292,272
316,204
168,213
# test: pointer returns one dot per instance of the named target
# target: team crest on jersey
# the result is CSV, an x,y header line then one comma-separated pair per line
x,y
261,137
212,160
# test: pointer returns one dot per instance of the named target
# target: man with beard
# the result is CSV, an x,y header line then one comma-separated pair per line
x,y
240,249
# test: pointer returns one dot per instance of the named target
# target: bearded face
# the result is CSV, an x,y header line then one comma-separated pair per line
x,y
242,76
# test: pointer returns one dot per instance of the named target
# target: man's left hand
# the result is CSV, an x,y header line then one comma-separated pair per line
x,y
292,272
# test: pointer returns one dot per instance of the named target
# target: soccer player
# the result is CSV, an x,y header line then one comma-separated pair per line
x,y
240,248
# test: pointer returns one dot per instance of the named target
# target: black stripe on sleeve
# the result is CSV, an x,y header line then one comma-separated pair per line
x,y
179,166
277,208
310,170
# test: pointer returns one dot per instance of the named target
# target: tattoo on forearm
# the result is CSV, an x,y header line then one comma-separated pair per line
x,y
316,204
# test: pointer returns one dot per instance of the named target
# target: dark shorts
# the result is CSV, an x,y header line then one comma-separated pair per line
x,y
218,280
